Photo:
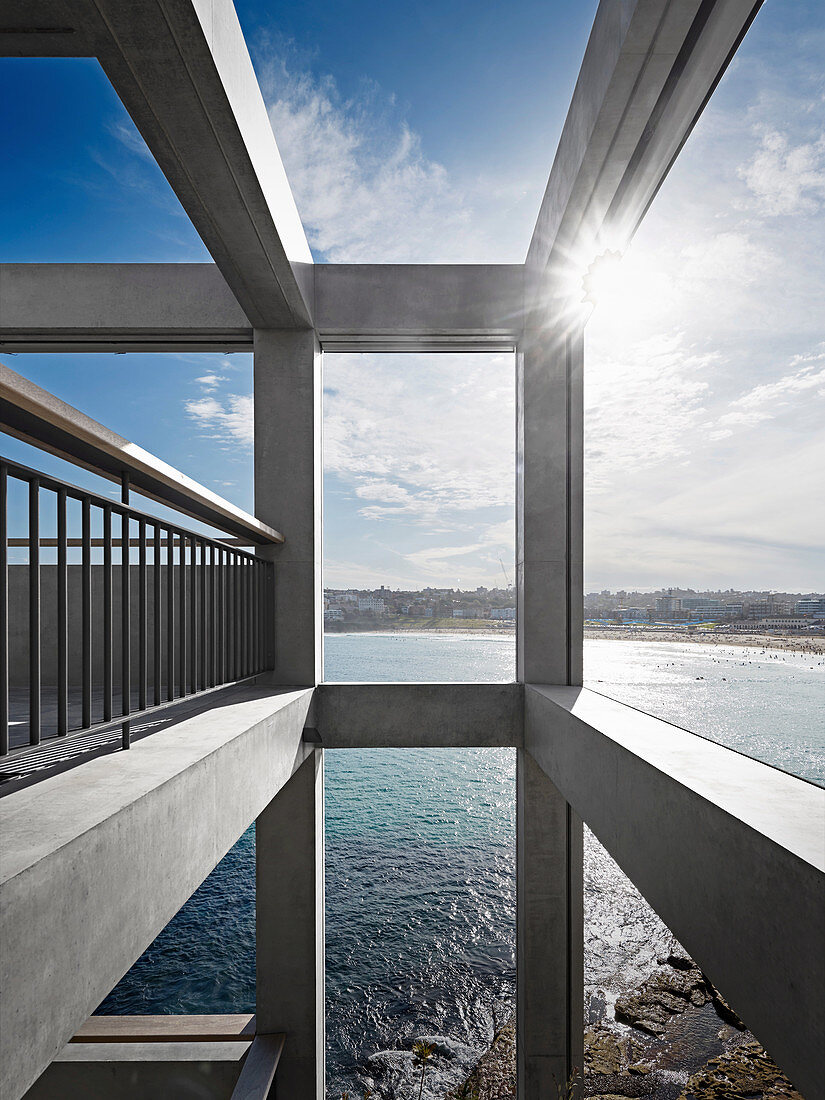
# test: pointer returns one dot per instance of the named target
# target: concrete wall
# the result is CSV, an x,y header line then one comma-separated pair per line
x,y
419,715
728,851
96,861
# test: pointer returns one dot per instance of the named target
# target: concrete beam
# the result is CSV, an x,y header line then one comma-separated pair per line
x,y
183,72
728,851
119,307
412,307
97,860
397,716
649,69
162,307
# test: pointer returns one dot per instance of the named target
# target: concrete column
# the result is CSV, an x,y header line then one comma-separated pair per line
x,y
549,887
288,494
290,928
549,934
290,832
550,517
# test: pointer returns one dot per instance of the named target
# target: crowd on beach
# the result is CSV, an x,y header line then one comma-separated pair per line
x,y
797,643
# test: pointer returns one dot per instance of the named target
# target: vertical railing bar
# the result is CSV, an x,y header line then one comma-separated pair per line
x,y
34,611
242,614
182,600
4,610
221,618
62,618
170,614
204,617
236,627
250,620
193,615
86,612
142,594
107,613
228,615
261,639
248,602
213,615
255,618
157,635
126,620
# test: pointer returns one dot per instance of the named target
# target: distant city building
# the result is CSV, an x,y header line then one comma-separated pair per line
x,y
784,622
502,613
700,603
667,605
371,603
810,607
631,614
333,614
762,609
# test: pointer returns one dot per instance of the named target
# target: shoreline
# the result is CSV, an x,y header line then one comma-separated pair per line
x,y
788,643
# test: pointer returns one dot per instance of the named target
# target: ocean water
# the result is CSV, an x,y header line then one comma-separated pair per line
x,y
421,854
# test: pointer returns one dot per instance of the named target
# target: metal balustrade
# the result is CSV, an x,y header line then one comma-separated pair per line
x,y
191,615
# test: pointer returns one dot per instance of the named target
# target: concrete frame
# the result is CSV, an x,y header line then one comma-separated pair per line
x,y
649,69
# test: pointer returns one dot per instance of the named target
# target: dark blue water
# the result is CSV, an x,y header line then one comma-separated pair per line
x,y
420,859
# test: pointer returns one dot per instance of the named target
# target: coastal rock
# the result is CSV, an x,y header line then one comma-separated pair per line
x,y
494,1075
606,1052
724,1010
744,1070
666,993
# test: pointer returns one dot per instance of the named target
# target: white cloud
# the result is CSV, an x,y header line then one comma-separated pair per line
x,y
211,381
643,402
731,258
230,421
421,437
785,178
771,399
367,191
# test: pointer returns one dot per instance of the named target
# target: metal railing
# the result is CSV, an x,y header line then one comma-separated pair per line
x,y
191,612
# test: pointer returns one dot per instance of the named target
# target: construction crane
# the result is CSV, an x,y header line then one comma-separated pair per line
x,y
504,571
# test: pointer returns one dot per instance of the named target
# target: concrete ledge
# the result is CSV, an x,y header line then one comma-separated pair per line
x,y
97,860
381,716
728,851
135,1071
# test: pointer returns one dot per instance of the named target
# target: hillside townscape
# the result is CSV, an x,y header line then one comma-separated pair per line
x,y
494,609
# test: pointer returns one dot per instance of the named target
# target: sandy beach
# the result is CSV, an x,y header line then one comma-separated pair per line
x,y
788,642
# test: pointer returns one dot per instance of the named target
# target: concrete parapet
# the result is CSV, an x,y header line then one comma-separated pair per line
x,y
97,860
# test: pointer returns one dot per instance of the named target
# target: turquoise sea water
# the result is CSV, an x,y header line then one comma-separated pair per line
x,y
420,857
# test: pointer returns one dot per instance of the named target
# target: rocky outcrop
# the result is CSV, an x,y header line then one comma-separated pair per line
x,y
606,1052
494,1075
666,993
743,1071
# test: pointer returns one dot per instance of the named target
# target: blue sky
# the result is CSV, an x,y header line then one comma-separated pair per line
x,y
425,133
